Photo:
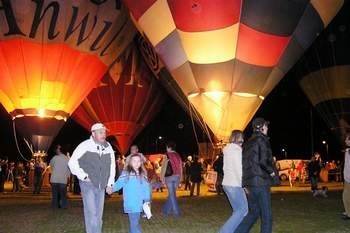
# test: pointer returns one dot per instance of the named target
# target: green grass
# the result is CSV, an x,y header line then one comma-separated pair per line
x,y
292,212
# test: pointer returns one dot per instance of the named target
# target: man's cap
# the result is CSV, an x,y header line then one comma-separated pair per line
x,y
259,122
98,126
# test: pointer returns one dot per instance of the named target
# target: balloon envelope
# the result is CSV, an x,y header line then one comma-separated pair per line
x,y
127,99
227,55
46,48
327,82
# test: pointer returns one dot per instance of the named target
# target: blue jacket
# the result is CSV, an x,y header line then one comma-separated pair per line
x,y
136,191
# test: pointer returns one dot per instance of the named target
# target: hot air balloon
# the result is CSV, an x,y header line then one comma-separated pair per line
x,y
227,55
46,49
327,83
127,99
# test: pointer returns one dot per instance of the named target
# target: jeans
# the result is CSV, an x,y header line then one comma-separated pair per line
x,y
238,201
172,182
134,223
259,202
93,201
59,195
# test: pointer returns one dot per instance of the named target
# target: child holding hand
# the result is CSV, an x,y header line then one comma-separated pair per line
x,y
136,191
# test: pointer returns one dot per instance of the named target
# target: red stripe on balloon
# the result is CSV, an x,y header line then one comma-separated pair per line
x,y
204,15
137,7
259,48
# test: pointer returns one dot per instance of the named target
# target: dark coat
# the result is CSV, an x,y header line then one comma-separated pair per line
x,y
257,161
196,172
314,168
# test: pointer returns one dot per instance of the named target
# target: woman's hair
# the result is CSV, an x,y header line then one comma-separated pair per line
x,y
171,145
141,171
236,136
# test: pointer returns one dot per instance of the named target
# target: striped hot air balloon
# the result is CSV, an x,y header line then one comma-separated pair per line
x,y
327,82
227,55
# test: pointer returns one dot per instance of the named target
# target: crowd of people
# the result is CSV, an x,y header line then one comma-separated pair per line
x,y
245,172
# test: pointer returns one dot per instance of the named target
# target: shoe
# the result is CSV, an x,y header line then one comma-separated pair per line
x,y
345,217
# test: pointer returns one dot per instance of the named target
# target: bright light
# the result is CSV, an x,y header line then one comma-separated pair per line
x,y
41,113
324,142
283,150
193,95
160,137
244,94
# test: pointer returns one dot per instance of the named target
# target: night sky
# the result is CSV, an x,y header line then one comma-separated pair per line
x,y
287,108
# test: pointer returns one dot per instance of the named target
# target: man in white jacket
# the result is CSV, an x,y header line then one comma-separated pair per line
x,y
93,162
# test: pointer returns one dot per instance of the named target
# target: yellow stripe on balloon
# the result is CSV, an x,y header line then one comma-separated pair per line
x,y
210,46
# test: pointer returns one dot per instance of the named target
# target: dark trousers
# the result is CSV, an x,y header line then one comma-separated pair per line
x,y
38,182
259,202
313,181
218,184
59,195
187,182
198,188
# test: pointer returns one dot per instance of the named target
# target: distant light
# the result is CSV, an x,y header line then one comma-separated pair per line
x,y
283,150
160,137
324,142
261,97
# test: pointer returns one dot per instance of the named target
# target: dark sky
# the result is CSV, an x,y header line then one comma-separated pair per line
x,y
287,108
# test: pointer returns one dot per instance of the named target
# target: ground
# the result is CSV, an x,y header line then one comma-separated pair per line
x,y
293,212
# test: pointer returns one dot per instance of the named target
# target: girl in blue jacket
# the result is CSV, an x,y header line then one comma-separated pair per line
x,y
136,190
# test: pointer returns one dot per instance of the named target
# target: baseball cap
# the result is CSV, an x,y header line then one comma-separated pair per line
x,y
98,126
259,122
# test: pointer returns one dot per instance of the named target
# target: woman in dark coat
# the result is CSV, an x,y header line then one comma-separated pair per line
x,y
195,176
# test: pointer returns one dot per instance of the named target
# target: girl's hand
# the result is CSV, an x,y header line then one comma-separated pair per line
x,y
109,190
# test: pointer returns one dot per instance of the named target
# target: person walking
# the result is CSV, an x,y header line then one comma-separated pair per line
x,y
195,176
346,190
93,162
59,177
232,181
171,177
258,173
137,191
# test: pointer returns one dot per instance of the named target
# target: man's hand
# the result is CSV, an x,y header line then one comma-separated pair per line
x,y
109,190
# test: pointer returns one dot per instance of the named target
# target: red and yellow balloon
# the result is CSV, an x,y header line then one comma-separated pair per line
x,y
52,53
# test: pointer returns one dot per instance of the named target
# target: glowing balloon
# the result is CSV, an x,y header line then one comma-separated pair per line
x,y
52,53
227,55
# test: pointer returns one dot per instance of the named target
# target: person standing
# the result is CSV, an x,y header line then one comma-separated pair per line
x,y
187,172
39,168
59,177
172,181
346,191
3,174
137,191
314,169
257,174
232,181
195,176
218,167
93,162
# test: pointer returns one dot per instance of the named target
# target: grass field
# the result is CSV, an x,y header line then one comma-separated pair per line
x,y
292,212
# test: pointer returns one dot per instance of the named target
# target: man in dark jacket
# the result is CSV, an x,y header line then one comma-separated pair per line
x,y
257,173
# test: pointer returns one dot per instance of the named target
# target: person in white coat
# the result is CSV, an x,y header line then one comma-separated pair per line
x,y
232,182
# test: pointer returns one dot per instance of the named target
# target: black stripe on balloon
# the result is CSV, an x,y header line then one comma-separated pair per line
x,y
309,27
234,75
273,17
